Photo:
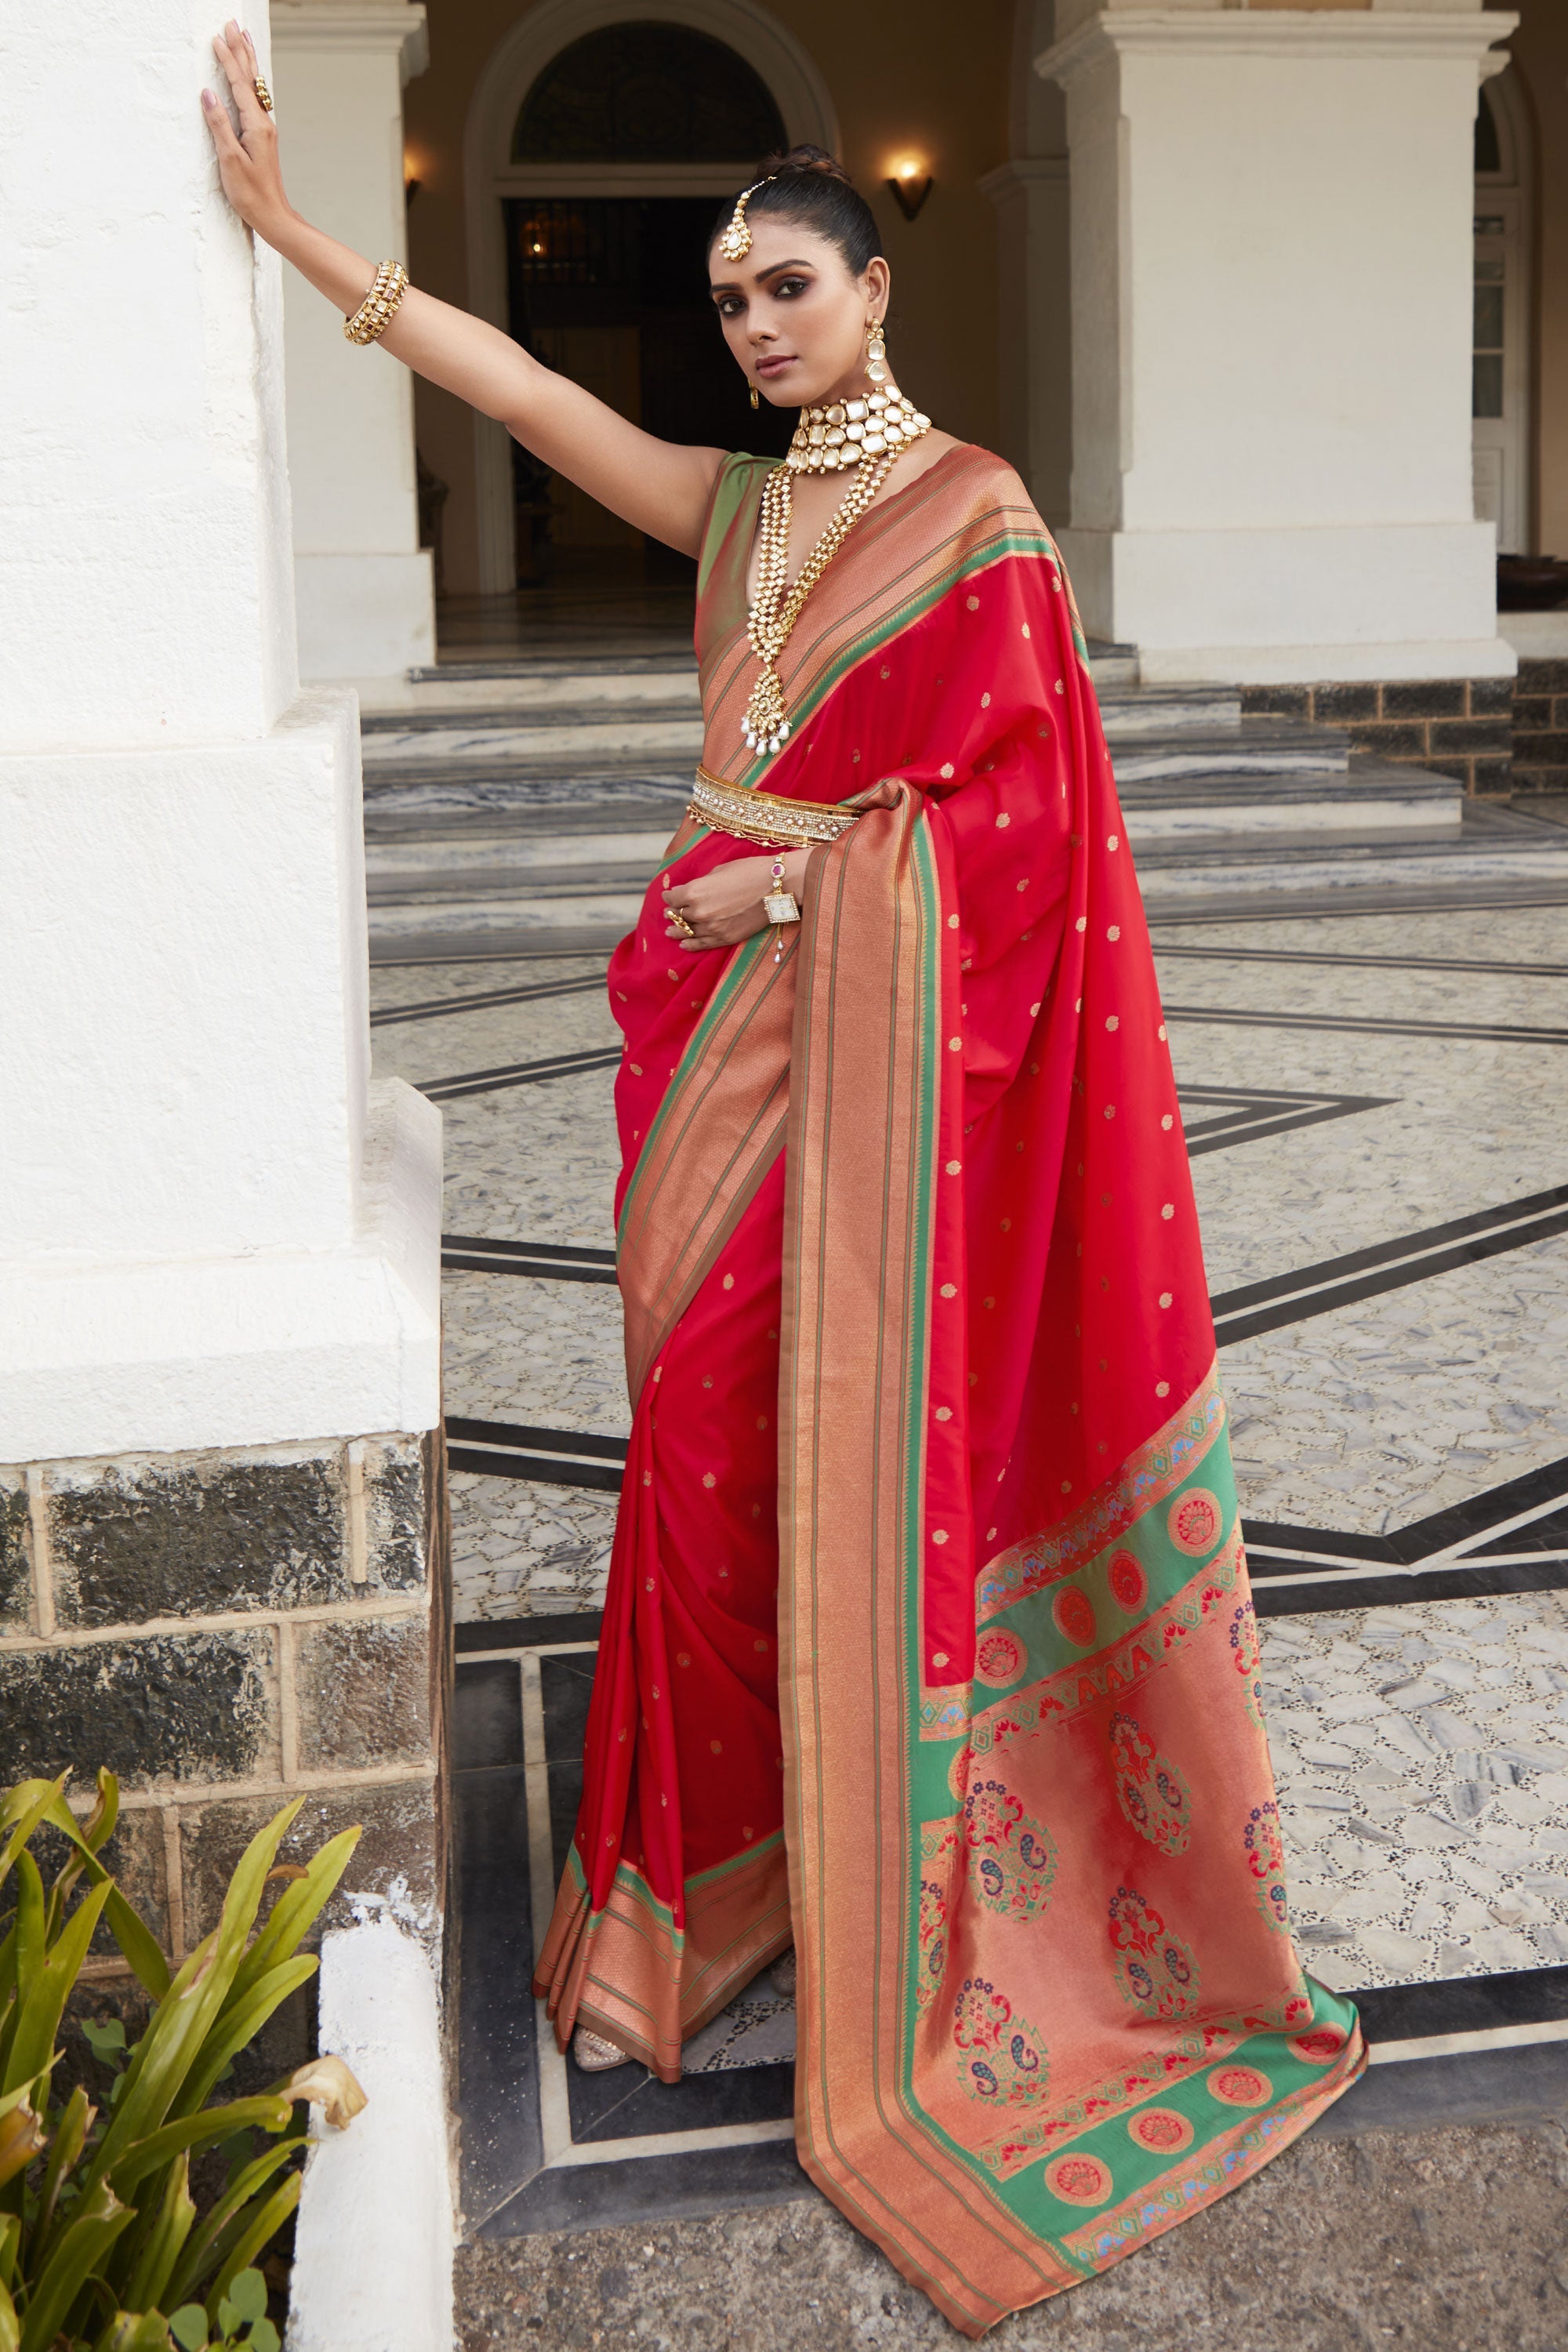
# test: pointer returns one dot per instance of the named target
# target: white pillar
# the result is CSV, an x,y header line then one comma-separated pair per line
x,y
214,1232
1271,337
366,601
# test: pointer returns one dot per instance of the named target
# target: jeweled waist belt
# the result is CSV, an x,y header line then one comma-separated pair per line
x,y
765,818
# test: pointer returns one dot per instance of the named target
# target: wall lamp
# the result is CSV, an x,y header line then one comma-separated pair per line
x,y
911,185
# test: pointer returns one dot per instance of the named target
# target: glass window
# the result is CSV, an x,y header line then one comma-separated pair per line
x,y
648,93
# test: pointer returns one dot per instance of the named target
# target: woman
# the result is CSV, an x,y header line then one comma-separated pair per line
x,y
927,1644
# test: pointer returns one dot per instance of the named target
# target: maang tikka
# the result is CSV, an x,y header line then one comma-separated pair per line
x,y
736,241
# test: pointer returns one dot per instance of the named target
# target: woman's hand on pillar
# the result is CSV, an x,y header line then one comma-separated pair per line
x,y
252,176
726,907
662,487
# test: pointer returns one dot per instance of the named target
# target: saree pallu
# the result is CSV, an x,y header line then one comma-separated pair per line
x,y
928,1639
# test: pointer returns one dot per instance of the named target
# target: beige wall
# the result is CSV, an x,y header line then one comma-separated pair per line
x,y
928,77
1540,50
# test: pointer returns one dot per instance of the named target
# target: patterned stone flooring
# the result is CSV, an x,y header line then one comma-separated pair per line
x,y
1421,1744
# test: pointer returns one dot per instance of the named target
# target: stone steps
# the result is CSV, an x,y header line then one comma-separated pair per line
x,y
518,805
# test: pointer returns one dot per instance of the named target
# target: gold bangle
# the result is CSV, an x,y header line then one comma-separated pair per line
x,y
376,312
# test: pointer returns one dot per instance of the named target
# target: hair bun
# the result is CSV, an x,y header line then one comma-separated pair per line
x,y
805,158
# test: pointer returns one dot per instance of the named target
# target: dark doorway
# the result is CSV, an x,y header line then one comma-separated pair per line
x,y
613,290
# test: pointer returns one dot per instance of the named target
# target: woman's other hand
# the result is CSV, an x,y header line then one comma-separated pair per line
x,y
252,181
726,907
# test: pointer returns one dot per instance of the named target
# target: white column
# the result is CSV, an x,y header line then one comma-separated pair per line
x,y
1271,338
214,1232
365,596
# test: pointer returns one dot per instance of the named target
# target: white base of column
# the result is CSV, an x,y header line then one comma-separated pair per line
x,y
1284,605
373,2248
198,1352
365,616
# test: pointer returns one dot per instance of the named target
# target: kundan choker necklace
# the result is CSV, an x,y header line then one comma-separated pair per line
x,y
869,434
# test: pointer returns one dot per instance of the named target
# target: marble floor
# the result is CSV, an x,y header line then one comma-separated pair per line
x,y
1375,1105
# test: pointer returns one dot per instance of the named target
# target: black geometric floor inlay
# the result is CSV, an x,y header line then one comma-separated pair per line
x,y
519,1074
549,1261
1309,1290
1513,1538
561,1457
488,999
1363,962
1216,1117
1364,1024
546,2148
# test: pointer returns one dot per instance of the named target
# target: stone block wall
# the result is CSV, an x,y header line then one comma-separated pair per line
x,y
1459,727
226,1631
1541,727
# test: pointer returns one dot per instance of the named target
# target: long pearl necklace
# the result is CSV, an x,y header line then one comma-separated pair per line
x,y
882,426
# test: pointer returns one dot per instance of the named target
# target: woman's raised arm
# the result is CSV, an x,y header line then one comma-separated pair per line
x,y
659,486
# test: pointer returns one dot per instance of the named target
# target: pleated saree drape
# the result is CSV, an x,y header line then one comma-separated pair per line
x,y
928,1639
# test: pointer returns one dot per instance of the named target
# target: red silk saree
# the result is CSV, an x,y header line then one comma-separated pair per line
x,y
928,1640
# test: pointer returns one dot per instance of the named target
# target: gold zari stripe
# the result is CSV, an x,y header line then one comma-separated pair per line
x,y
765,818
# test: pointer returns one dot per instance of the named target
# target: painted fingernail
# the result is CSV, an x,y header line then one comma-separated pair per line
x,y
208,101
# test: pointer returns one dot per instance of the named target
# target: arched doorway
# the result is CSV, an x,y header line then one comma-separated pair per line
x,y
1501,374
601,136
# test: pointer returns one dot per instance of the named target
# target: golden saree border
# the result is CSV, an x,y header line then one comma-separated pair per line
x,y
984,2221
861,1166
720,1127
627,1972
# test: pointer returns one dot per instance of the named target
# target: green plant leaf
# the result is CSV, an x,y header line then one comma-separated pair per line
x,y
264,2337
134,2331
188,2326
247,2294
10,2333
22,1807
97,2220
267,2110
176,2215
184,2016
96,1832
262,2224
296,1910
43,2002
107,2040
220,2231
65,2149
135,1940
238,2024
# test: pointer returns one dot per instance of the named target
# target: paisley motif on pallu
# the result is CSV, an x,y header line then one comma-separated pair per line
x,y
1012,1859
1246,1657
1152,1793
1156,1971
1266,1859
1001,2058
939,1850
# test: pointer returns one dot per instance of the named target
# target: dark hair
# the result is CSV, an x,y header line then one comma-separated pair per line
x,y
811,187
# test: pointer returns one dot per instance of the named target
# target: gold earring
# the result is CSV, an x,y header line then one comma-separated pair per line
x,y
876,351
755,401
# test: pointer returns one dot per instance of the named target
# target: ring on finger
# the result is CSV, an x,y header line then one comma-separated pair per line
x,y
687,931
263,94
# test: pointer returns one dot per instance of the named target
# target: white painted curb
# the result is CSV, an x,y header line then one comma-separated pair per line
x,y
372,2262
